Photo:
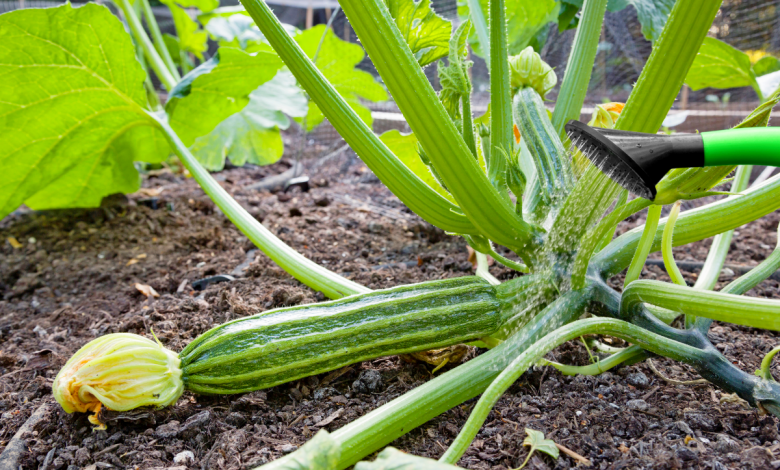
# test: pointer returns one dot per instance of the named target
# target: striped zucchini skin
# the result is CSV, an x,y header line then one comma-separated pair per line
x,y
286,344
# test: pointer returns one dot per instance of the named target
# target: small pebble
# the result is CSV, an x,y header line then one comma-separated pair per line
x,y
184,457
287,448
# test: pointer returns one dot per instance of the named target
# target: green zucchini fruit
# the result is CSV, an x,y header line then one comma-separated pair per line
x,y
538,133
287,344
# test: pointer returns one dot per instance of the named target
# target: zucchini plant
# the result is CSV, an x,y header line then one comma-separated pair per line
x,y
468,175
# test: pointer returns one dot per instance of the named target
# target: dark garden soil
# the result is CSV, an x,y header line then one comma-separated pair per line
x,y
73,275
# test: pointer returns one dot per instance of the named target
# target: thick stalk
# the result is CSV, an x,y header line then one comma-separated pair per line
x,y
750,280
665,70
412,191
618,328
696,224
500,104
490,213
158,65
710,272
388,422
580,65
647,106
301,268
709,362
159,44
740,310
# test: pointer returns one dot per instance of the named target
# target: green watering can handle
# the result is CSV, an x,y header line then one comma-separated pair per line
x,y
752,146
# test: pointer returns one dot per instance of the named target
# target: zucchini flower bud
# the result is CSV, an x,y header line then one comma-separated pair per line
x,y
527,69
120,371
606,115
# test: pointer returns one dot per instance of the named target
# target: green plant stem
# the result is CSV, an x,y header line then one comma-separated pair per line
x,y
645,243
301,268
500,104
765,371
159,44
708,277
489,212
185,62
580,65
664,73
647,106
392,420
481,27
159,67
750,280
621,329
666,247
508,262
468,124
696,224
630,355
412,191
741,310
483,269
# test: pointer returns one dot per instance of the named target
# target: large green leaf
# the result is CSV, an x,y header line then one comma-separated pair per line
x,y
407,149
718,65
191,37
216,90
337,60
765,65
72,101
524,21
652,14
426,33
252,134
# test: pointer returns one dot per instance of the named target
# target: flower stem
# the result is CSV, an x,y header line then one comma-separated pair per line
x,y
580,65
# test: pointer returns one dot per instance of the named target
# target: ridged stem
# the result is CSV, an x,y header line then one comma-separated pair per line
x,y
647,106
665,70
500,104
490,213
158,65
696,224
627,356
412,191
708,277
737,309
580,65
301,268
517,367
750,280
